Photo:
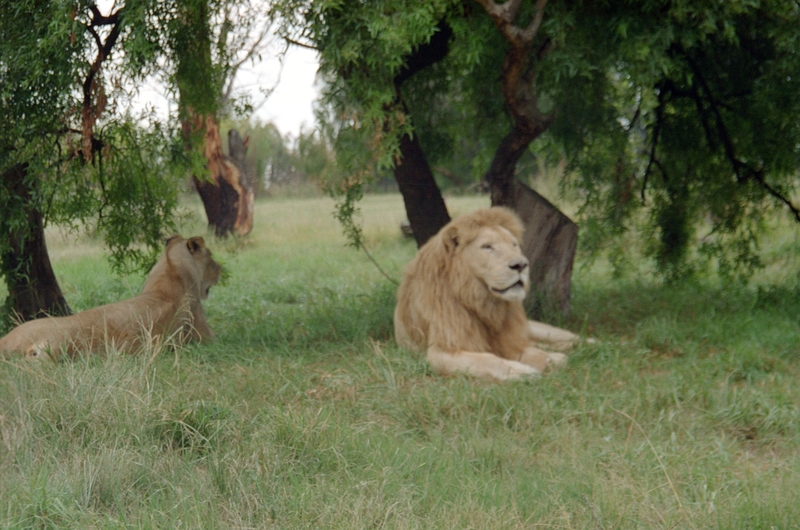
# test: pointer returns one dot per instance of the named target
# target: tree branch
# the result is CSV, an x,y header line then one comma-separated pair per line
x,y
503,16
742,170
301,44
533,28
254,48
656,133
759,177
98,19
426,54
88,114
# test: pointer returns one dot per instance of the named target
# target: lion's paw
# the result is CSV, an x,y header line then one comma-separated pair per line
x,y
556,360
515,370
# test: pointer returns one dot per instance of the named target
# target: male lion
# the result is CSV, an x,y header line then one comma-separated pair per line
x,y
461,300
169,306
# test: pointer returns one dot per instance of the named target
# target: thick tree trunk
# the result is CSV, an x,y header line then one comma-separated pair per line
x,y
550,236
425,207
549,243
33,289
227,197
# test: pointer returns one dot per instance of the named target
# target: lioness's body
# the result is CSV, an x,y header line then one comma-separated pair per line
x,y
460,300
169,306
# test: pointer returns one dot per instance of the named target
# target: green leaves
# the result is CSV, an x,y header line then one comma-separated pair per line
x,y
678,119
126,189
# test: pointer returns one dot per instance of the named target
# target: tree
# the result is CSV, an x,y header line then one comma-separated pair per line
x,y
688,106
63,156
688,122
209,42
373,79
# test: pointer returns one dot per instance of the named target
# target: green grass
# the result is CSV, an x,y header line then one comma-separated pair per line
x,y
305,414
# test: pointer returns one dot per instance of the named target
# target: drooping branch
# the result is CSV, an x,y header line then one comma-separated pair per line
x,y
710,103
759,177
656,133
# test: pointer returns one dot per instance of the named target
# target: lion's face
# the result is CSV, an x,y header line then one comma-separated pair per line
x,y
495,258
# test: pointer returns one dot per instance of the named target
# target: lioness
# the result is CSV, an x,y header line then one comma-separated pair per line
x,y
461,301
169,306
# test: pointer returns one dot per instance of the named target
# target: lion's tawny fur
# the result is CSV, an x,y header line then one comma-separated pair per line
x,y
169,306
448,305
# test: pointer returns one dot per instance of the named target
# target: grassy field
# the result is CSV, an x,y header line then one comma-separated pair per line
x,y
305,414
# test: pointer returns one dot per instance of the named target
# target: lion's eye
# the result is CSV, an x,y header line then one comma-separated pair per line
x,y
487,247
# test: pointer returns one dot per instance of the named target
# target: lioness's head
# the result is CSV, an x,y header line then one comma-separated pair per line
x,y
193,256
486,242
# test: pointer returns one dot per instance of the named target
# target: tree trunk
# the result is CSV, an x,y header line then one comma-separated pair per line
x,y
33,289
425,206
549,243
227,197
237,151
550,236
504,164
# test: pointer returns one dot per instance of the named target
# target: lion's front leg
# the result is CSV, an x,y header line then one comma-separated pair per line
x,y
558,338
542,360
201,328
479,364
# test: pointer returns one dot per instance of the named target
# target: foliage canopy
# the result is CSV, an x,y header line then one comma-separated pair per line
x,y
678,119
64,67
68,73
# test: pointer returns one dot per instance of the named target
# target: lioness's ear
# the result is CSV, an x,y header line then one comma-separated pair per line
x,y
170,239
195,244
450,238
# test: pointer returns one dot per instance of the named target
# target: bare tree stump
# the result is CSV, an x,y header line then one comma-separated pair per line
x,y
237,149
549,243
227,196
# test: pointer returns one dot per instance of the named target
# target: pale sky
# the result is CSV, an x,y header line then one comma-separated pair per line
x,y
289,106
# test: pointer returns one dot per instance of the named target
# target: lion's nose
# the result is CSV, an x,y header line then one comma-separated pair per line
x,y
518,265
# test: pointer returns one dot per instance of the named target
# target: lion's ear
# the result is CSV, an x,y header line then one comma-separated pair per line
x,y
450,239
170,239
195,244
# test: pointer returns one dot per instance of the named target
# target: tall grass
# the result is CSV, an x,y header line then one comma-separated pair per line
x,y
305,414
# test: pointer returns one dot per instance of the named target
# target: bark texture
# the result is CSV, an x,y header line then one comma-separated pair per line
x,y
33,289
550,236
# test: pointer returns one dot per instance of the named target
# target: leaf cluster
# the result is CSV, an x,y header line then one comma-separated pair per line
x,y
681,124
678,119
124,190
